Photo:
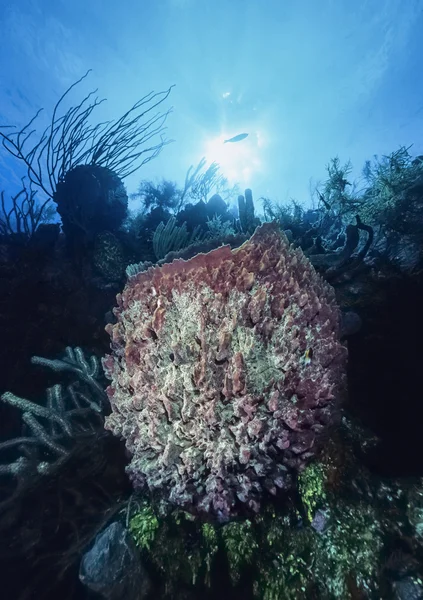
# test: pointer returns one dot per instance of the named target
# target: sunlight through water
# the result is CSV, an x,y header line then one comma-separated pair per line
x,y
239,161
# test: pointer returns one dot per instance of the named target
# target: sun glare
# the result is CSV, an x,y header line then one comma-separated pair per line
x,y
238,161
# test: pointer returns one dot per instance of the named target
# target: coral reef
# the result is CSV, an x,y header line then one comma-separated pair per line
x,y
226,369
277,553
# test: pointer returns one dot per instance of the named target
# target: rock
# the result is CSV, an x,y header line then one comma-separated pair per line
x,y
113,568
320,521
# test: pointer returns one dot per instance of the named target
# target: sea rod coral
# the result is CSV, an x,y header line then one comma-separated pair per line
x,y
225,370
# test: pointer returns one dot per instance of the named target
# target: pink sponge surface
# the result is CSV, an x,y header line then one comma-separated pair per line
x,y
225,371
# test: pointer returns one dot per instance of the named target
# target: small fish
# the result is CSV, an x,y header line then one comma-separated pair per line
x,y
237,138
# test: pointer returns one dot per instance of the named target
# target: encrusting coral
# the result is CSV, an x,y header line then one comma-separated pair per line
x,y
225,370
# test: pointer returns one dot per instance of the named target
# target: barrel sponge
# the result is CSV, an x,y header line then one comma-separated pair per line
x,y
226,370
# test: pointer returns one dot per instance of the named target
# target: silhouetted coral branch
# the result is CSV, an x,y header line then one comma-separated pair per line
x,y
24,214
70,140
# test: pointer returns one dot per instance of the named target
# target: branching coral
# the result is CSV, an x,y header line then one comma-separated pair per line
x,y
122,145
171,237
24,214
225,371
393,199
53,428
218,228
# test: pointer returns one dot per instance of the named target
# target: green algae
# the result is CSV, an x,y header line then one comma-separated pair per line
x,y
143,526
311,487
240,546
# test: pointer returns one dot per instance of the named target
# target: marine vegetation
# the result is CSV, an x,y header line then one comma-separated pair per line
x,y
388,196
329,542
200,183
24,214
271,555
71,140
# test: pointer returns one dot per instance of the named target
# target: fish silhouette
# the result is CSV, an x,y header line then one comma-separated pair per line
x,y
237,138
